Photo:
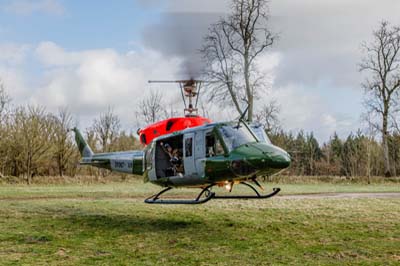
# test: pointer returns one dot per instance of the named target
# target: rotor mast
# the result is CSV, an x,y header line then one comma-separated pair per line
x,y
190,91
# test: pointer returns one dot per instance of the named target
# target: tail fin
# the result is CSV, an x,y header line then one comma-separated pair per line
x,y
83,147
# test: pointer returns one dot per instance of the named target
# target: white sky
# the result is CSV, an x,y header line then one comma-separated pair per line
x,y
90,55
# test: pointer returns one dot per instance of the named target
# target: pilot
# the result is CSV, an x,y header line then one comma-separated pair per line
x,y
210,146
210,151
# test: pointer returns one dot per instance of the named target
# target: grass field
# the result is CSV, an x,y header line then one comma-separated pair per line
x,y
109,224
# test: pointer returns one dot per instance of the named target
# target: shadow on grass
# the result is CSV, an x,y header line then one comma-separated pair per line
x,y
133,223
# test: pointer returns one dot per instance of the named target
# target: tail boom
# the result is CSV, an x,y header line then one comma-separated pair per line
x,y
129,162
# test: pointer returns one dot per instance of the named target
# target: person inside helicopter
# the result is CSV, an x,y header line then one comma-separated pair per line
x,y
213,145
167,149
210,145
175,160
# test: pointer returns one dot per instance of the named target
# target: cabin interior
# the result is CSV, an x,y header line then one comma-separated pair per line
x,y
163,165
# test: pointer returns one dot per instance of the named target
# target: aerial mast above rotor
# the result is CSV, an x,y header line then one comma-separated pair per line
x,y
190,91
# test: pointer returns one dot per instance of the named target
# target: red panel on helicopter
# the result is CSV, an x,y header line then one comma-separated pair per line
x,y
168,126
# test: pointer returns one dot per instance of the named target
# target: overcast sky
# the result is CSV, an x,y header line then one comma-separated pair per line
x,y
89,55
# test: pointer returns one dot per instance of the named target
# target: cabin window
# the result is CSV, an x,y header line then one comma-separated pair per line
x,y
169,125
188,147
143,139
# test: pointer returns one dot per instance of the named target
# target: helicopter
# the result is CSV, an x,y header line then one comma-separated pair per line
x,y
200,154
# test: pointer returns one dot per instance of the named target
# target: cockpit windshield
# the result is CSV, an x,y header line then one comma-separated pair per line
x,y
260,133
235,135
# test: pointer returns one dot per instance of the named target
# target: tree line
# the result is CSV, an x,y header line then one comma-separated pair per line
x,y
357,155
35,142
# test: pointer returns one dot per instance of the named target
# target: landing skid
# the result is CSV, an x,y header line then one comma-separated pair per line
x,y
257,196
155,199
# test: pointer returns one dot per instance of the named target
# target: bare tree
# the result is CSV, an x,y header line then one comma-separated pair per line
x,y
64,148
4,100
31,133
370,132
152,108
232,47
106,129
221,67
268,116
170,109
126,142
205,109
382,87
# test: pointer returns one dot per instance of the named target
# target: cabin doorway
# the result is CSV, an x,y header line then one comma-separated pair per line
x,y
169,157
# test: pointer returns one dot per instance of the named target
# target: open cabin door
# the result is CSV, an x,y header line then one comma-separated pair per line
x,y
148,162
188,156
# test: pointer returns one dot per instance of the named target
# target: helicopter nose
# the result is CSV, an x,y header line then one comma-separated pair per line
x,y
279,159
272,156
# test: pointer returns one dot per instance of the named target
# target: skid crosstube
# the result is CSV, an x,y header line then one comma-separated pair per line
x,y
258,196
155,199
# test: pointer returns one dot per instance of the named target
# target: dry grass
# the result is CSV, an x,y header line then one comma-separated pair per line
x,y
112,178
68,180
119,231
87,222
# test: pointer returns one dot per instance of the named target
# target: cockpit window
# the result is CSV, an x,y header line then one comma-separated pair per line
x,y
236,135
260,133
